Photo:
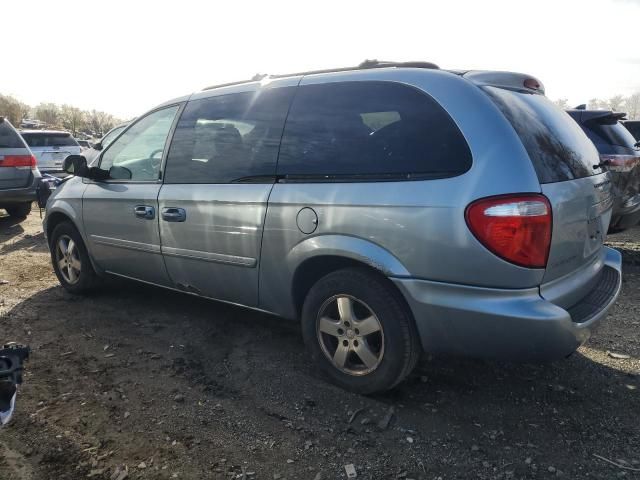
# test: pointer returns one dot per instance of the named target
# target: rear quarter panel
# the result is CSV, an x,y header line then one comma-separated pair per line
x,y
418,223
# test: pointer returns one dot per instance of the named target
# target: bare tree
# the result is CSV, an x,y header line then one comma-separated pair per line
x,y
11,109
596,103
616,103
632,106
93,123
72,118
563,103
48,113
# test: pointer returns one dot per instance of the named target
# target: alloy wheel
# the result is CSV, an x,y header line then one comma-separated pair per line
x,y
68,259
350,335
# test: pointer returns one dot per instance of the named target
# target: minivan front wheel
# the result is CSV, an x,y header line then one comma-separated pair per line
x,y
359,330
70,259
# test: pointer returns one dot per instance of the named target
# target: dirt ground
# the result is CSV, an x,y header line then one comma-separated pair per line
x,y
139,382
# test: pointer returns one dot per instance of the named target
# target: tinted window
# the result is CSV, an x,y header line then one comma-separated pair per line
x,y
611,132
140,148
634,128
557,146
9,138
228,138
371,130
50,139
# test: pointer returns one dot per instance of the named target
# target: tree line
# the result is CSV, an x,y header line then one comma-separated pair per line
x,y
618,103
92,123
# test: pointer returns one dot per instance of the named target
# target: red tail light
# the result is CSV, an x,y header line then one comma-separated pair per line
x,y
619,163
517,228
18,161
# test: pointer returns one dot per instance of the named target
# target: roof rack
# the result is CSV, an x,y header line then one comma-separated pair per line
x,y
367,64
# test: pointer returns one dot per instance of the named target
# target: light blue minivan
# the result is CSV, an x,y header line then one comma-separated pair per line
x,y
392,208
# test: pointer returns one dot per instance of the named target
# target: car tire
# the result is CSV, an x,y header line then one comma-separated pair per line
x,y
360,331
70,259
19,210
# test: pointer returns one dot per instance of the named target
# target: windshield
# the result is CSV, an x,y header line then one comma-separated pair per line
x,y
109,137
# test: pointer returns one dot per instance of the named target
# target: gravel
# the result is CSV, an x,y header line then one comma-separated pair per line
x,y
197,389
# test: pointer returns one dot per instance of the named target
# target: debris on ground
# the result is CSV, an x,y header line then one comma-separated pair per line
x,y
350,470
166,406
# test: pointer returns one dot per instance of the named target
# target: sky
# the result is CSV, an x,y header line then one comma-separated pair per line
x,y
124,57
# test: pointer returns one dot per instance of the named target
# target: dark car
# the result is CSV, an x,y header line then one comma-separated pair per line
x,y
634,127
619,154
19,175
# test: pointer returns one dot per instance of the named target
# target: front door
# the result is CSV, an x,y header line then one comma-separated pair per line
x,y
219,174
120,215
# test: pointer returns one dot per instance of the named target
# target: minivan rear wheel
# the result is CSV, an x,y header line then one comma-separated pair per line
x,y
70,259
359,330
19,210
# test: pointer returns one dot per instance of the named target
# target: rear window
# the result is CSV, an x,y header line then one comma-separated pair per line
x,y
634,128
611,132
557,146
49,140
370,131
9,138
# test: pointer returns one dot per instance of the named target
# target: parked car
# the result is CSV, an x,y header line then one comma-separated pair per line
x,y
620,155
50,148
19,176
92,154
84,144
634,127
393,208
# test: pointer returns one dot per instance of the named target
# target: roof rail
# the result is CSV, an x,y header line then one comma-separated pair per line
x,y
230,84
367,64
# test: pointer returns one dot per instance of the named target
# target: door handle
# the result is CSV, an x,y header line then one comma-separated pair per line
x,y
144,211
172,214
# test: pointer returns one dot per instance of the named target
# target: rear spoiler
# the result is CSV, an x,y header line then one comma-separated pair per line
x,y
604,117
509,80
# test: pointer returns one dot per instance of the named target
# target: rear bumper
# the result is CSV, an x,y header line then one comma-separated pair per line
x,y
626,217
508,324
20,195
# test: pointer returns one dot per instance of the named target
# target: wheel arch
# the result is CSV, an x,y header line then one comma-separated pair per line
x,y
319,256
65,213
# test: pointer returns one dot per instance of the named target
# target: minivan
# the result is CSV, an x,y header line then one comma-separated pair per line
x,y
394,209
51,147
19,176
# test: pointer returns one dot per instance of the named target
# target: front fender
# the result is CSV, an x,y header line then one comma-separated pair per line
x,y
67,200
345,246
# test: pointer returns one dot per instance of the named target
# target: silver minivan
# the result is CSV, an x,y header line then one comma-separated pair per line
x,y
394,209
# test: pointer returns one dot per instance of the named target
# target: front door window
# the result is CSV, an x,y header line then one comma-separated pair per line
x,y
140,148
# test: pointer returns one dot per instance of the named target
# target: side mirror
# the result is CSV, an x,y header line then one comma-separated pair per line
x,y
97,146
119,173
75,165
